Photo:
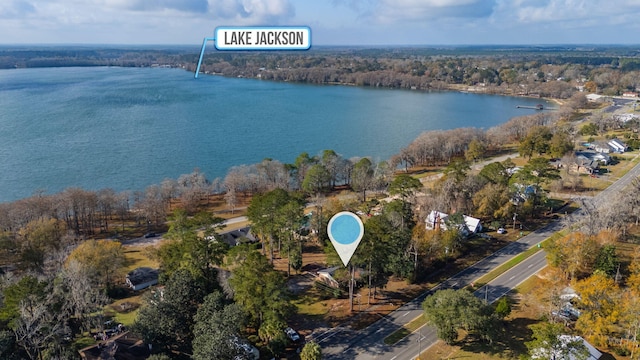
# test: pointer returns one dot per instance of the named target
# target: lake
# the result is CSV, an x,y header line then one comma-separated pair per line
x,y
127,128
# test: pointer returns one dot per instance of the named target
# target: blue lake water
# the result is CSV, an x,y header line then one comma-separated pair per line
x,y
127,128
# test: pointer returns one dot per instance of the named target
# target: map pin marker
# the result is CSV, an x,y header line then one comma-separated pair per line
x,y
345,231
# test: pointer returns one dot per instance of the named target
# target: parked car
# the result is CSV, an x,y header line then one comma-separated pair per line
x,y
292,334
501,231
149,235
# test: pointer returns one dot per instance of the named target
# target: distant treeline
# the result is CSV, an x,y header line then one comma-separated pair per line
x,y
553,71
37,57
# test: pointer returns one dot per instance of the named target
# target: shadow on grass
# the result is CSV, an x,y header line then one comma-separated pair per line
x,y
511,340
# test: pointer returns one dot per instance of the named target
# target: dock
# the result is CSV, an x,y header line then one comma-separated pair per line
x,y
537,107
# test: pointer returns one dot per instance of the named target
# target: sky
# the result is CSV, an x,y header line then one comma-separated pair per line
x,y
332,22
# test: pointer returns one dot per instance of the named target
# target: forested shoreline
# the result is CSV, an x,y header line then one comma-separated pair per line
x,y
553,72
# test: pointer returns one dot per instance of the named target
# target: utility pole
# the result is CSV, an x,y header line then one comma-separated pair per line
x,y
515,215
351,289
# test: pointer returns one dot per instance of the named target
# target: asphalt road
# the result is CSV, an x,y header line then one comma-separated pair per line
x,y
344,343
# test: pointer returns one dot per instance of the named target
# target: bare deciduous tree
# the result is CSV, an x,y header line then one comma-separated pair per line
x,y
35,327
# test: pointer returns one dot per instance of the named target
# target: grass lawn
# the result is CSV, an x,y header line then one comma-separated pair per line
x,y
138,256
125,310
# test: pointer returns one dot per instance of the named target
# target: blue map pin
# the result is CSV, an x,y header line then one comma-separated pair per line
x,y
345,232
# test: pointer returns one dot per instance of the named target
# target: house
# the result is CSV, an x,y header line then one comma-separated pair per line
x,y
594,354
239,236
624,118
438,220
473,224
524,192
593,97
602,158
617,146
584,165
142,278
568,294
600,147
122,347
585,162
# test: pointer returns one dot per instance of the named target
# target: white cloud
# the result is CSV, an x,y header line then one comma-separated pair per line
x,y
192,6
569,12
132,21
334,21
433,3
245,10
403,10
251,12
16,9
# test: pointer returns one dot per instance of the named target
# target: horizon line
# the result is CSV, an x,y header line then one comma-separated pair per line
x,y
336,45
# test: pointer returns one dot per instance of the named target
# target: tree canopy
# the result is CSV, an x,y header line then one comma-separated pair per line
x,y
167,319
194,246
450,310
217,328
100,258
260,290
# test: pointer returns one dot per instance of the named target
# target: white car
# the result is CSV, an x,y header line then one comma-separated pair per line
x,y
501,231
292,334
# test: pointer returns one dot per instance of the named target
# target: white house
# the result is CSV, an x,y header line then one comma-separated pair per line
x,y
594,354
601,147
142,278
604,159
617,145
593,97
623,118
473,224
438,220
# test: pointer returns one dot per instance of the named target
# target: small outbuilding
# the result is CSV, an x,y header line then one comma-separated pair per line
x,y
325,276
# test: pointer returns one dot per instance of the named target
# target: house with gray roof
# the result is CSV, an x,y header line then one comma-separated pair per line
x,y
142,278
